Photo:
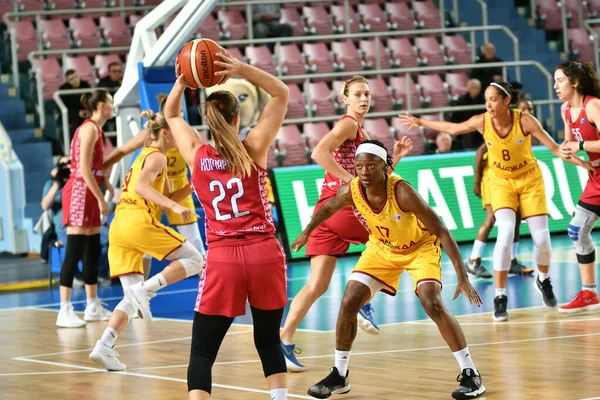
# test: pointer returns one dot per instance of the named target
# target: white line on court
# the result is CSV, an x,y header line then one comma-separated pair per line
x,y
555,321
49,373
164,378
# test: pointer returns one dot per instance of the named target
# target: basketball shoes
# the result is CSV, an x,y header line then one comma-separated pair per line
x,y
333,383
585,300
471,385
68,319
107,357
366,320
289,352
96,312
474,267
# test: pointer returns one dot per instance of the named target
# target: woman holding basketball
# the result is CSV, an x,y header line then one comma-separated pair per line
x,y
245,261
577,84
83,205
335,154
515,181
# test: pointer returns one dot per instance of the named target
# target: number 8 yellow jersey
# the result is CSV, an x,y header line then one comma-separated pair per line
x,y
510,156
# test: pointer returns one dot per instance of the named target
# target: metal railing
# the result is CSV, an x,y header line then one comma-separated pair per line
x,y
5,145
64,111
565,27
587,24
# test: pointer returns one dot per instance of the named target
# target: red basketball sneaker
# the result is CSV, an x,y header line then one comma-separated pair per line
x,y
584,301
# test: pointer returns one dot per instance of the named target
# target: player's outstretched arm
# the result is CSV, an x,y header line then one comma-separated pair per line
x,y
137,142
471,125
154,164
329,208
410,201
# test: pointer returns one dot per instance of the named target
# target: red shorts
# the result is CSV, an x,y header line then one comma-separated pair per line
x,y
591,193
333,237
80,207
231,274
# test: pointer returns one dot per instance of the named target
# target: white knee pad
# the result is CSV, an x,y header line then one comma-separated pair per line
x,y
192,233
368,281
505,220
538,226
579,230
126,307
189,257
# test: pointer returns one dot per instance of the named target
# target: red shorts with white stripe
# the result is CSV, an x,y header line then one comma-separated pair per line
x,y
255,270
334,236
79,206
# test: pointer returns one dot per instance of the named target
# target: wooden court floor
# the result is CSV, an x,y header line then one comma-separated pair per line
x,y
538,354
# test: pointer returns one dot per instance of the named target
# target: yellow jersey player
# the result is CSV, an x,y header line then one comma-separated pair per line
x,y
405,234
135,231
515,181
177,179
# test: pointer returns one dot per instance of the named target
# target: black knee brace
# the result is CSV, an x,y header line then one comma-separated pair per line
x,y
91,259
73,254
208,332
267,340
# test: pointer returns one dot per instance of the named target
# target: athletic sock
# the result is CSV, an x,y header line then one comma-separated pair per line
x,y
590,287
342,358
108,337
464,359
500,292
155,283
279,394
91,301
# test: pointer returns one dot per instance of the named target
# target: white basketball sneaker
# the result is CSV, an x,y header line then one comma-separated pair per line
x,y
140,298
96,312
107,357
68,319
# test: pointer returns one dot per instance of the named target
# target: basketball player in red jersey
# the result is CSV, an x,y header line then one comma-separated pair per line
x,y
577,84
335,154
83,203
244,259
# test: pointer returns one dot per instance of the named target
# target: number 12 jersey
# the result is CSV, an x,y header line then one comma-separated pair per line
x,y
234,207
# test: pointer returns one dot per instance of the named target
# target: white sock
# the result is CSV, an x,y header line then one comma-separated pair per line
x,y
91,301
477,251
542,276
513,250
108,337
279,394
500,292
342,358
64,304
286,343
590,287
464,360
155,283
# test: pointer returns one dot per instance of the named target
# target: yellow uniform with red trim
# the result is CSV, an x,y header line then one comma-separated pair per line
x,y
135,231
398,241
486,198
515,178
177,178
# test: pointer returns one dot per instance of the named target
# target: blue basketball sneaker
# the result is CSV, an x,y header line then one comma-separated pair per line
x,y
289,352
366,321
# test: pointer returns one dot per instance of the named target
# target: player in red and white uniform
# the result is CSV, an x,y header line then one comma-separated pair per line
x,y
578,85
83,203
244,259
335,154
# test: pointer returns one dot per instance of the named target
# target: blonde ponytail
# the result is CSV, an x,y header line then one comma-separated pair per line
x,y
224,135
155,123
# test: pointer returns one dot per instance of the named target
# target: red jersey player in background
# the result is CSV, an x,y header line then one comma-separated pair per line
x,y
83,203
244,259
335,154
577,84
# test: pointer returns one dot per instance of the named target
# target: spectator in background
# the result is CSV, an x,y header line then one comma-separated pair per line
x,y
77,113
474,96
113,80
443,144
526,106
490,74
265,18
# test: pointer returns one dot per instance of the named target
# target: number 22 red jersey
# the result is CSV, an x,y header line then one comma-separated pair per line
x,y
583,130
234,207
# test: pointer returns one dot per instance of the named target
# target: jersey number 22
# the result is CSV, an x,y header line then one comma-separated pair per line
x,y
217,186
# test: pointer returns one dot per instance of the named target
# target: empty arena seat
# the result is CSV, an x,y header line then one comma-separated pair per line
x,y
82,65
315,132
291,17
84,31
369,51
428,13
381,96
317,20
401,93
372,17
54,34
579,40
318,57
402,53
346,55
322,102
400,15
430,51
209,28
296,102
292,60
338,14
457,47
235,52
51,75
292,146
416,135
549,14
102,61
433,88
115,30
26,38
260,57
378,129
233,24
457,81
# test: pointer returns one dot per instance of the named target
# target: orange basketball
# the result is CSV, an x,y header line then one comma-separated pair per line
x,y
197,63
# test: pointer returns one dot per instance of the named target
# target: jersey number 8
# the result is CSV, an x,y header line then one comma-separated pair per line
x,y
505,155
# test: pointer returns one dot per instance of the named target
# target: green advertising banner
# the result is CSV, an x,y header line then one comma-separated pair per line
x,y
445,181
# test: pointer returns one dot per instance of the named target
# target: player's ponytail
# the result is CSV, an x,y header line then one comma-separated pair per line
x,y
155,123
221,108
162,100
90,100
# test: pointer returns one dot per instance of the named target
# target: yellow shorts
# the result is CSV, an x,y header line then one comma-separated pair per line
x,y
486,198
526,191
174,218
134,233
422,263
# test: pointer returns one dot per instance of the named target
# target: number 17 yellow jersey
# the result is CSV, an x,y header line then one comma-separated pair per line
x,y
510,156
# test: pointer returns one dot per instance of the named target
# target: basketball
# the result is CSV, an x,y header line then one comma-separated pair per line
x,y
197,63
